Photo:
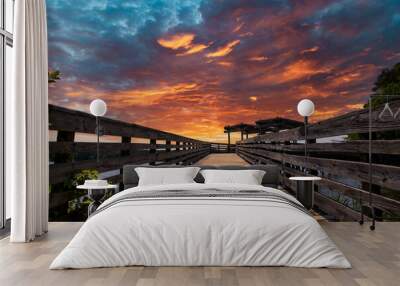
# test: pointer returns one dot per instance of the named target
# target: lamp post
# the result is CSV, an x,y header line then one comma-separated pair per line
x,y
305,108
98,108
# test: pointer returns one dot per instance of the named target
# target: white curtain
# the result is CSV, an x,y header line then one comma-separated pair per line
x,y
27,123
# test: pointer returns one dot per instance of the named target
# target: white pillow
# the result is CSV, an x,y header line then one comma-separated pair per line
x,y
248,177
166,176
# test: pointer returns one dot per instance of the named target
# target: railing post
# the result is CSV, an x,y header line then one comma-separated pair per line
x,y
177,148
125,140
66,136
229,141
168,146
124,152
376,190
152,151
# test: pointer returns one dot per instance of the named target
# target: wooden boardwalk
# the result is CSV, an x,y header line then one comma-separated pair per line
x,y
375,257
222,159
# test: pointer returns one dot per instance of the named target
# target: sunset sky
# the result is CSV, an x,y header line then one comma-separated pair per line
x,y
192,67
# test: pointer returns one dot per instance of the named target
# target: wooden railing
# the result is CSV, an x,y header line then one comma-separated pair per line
x,y
343,166
155,147
222,148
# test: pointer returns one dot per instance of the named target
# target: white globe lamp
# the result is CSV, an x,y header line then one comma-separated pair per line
x,y
98,108
305,108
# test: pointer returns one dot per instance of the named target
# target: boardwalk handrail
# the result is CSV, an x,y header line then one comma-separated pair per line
x,y
336,163
68,156
352,122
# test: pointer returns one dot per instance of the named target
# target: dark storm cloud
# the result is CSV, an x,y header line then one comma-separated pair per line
x,y
96,39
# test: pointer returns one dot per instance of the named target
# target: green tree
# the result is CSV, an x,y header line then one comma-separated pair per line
x,y
76,202
54,76
79,179
87,174
80,205
387,83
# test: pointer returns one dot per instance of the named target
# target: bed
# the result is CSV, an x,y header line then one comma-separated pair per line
x,y
198,224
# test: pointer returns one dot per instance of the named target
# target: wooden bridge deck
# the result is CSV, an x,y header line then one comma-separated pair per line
x,y
222,159
375,257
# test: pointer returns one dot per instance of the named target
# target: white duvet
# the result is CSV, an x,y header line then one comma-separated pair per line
x,y
193,231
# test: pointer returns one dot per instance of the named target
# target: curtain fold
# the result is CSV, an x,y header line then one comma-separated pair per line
x,y
27,120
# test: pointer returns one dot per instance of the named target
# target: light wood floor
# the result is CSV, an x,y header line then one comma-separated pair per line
x,y
222,159
375,257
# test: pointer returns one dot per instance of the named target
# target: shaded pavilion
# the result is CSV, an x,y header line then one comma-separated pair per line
x,y
261,127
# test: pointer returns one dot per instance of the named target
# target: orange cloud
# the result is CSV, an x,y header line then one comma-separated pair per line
x,y
238,27
310,50
182,42
224,50
355,106
258,59
345,78
326,113
352,74
278,72
310,91
301,69
193,49
225,64
247,34
178,41
150,96
80,91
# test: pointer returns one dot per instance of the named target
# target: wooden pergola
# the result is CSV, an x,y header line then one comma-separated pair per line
x,y
243,128
261,127
276,124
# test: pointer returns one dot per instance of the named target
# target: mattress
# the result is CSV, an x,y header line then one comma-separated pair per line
x,y
201,225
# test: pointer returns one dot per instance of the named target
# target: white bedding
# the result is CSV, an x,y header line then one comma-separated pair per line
x,y
248,177
200,231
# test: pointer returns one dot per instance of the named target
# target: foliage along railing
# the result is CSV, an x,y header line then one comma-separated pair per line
x,y
343,166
